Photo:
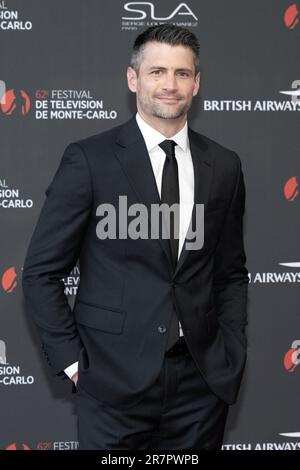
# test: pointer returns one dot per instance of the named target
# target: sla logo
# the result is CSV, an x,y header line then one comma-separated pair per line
x,y
291,190
291,16
15,447
292,357
15,101
9,280
182,9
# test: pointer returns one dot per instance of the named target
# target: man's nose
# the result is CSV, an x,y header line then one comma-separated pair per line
x,y
170,82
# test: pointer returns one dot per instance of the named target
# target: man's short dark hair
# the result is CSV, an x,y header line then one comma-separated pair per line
x,y
167,34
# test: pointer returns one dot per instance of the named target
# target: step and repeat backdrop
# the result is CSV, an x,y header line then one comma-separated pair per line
x,y
62,78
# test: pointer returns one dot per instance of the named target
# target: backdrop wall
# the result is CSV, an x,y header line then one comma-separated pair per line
x,y
62,78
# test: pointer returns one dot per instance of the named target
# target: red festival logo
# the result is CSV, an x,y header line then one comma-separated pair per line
x,y
291,16
9,280
14,447
44,446
15,101
291,190
292,357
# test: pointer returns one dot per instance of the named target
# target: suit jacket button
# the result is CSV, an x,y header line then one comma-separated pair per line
x,y
162,329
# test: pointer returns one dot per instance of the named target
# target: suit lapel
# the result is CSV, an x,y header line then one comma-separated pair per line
x,y
202,163
133,156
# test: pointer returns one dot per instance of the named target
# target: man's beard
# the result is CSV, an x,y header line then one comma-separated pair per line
x,y
156,109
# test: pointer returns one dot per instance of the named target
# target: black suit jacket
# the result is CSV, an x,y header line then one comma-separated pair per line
x,y
118,326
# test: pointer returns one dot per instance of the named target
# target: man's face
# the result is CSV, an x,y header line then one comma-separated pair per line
x,y
166,82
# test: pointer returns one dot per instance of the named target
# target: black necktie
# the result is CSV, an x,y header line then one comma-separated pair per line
x,y
170,195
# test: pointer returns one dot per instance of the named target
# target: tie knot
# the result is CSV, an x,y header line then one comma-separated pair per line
x,y
168,147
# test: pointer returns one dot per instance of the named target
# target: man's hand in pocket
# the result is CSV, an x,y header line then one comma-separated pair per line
x,y
74,378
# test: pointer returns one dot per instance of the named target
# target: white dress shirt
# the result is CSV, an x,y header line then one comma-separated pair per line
x,y
185,172
185,176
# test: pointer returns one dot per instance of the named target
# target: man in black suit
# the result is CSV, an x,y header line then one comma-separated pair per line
x,y
156,338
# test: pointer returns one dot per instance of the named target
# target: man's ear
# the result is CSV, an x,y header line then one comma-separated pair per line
x,y
131,79
197,84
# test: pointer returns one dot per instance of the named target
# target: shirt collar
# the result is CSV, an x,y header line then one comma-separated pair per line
x,y
153,138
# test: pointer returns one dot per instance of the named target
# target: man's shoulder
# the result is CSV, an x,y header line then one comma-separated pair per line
x,y
220,153
101,139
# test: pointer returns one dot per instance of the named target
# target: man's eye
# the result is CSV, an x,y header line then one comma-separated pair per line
x,y
183,74
156,72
